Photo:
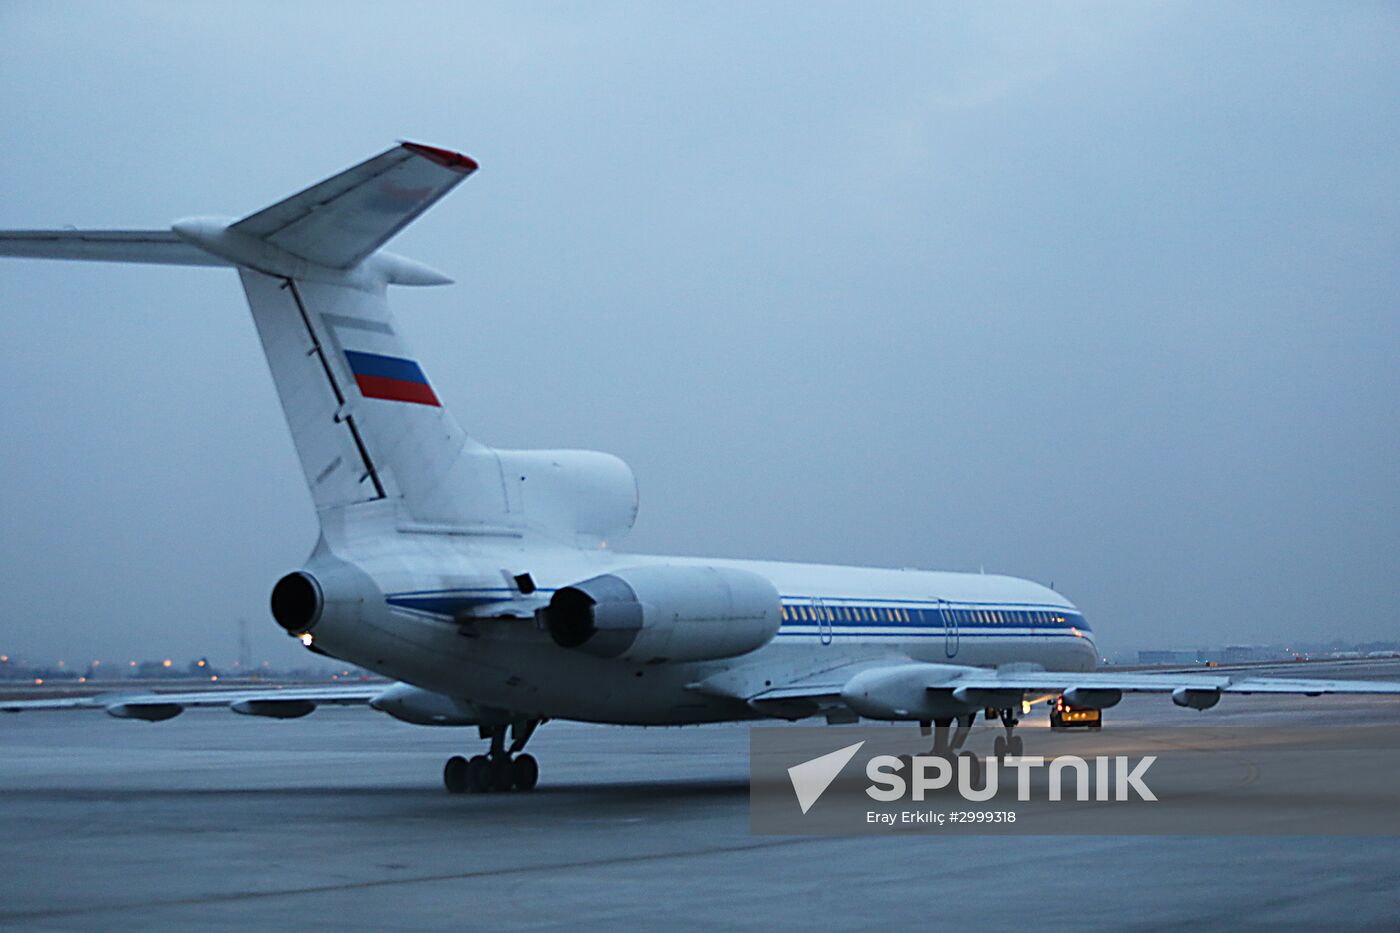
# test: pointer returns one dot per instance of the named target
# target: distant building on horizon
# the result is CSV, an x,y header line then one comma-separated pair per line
x,y
1172,656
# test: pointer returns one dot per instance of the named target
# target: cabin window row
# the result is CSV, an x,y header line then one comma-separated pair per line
x,y
1023,617
847,614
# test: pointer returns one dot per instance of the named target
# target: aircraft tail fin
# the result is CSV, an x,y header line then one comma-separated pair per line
x,y
365,421
367,425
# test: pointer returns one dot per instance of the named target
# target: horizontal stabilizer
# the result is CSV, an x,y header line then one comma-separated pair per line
x,y
154,246
340,221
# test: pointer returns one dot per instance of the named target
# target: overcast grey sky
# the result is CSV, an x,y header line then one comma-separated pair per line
x,y
1098,294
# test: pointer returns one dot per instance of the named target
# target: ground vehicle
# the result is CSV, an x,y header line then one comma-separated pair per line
x,y
1065,716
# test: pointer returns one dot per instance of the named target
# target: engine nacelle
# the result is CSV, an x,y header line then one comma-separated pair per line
x,y
667,613
274,709
1195,698
913,692
1093,697
150,712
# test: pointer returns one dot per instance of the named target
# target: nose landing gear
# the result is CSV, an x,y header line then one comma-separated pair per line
x,y
501,768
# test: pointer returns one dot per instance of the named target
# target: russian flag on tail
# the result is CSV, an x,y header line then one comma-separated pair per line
x,y
391,378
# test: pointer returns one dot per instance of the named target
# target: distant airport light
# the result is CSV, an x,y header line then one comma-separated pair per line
x,y
38,680
166,663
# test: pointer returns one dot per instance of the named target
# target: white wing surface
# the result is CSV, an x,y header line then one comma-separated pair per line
x,y
272,702
343,219
910,689
162,247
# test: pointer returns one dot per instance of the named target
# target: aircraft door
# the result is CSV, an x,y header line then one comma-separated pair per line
x,y
823,620
949,616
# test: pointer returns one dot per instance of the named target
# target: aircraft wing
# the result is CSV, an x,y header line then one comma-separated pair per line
x,y
897,689
273,702
804,693
1158,682
343,219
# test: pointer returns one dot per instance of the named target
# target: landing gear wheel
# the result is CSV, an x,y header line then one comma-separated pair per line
x,y
524,772
454,774
479,774
999,748
500,773
1015,747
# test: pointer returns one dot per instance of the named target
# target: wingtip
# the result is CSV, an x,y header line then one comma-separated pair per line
x,y
444,157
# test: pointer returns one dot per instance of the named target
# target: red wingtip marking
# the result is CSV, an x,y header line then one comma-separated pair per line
x,y
445,157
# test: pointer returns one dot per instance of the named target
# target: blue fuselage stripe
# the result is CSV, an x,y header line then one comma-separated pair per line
x,y
860,615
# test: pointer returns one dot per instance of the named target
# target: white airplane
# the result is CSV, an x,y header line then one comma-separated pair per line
x,y
482,580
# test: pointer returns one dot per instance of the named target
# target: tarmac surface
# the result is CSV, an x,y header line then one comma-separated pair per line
x,y
219,821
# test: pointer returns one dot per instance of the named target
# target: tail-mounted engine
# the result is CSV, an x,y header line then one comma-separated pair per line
x,y
668,613
297,602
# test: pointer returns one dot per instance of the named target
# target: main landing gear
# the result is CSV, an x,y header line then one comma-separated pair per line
x,y
501,768
1009,745
951,746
